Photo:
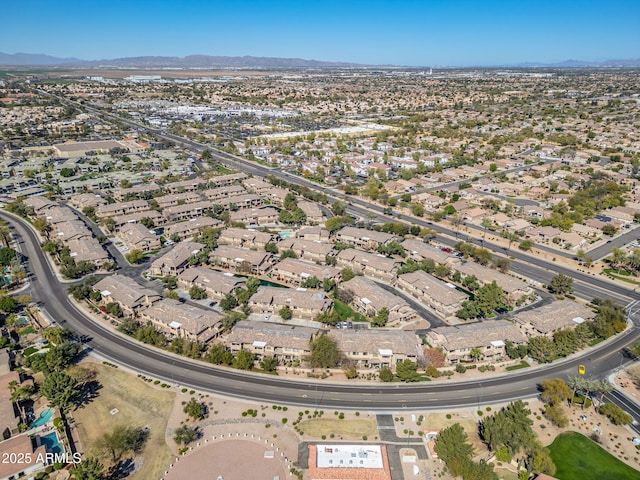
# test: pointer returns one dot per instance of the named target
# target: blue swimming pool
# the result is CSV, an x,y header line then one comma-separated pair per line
x,y
51,443
285,234
44,417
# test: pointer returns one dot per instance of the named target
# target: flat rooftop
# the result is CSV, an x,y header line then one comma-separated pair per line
x,y
349,456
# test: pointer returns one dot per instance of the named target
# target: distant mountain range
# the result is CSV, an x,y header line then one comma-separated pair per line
x,y
581,64
208,61
190,61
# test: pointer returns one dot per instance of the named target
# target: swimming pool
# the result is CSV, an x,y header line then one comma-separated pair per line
x,y
51,443
44,417
285,234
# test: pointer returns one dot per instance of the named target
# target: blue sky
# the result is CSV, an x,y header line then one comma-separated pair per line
x,y
401,32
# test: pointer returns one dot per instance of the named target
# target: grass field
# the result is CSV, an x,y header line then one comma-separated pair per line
x,y
139,405
317,427
579,458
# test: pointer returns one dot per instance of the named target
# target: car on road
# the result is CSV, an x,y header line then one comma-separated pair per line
x,y
581,369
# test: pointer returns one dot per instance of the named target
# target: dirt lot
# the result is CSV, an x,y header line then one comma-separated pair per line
x,y
138,403
351,428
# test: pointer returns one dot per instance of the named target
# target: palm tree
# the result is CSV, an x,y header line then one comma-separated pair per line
x,y
457,220
604,387
54,335
19,393
486,223
475,353
589,386
5,233
574,383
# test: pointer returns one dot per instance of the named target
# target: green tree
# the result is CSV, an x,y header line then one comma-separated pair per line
x,y
475,354
380,320
134,256
561,284
347,274
244,360
197,293
269,364
489,298
60,356
121,440
271,247
615,414
219,355
556,415
542,349
324,352
555,391
7,255
453,448
114,309
385,374
55,335
525,245
8,304
338,208
229,302
285,313
89,468
539,460
185,434
407,371
60,389
509,427
194,409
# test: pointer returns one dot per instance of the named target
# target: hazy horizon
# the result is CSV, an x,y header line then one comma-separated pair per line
x,y
407,33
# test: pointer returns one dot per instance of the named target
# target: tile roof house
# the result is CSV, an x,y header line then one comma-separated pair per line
x,y
488,336
375,348
286,342
316,233
245,238
32,453
313,250
241,260
440,296
312,211
138,237
124,208
294,271
185,321
191,227
370,264
363,238
216,284
302,303
215,194
178,213
176,260
130,295
256,216
419,251
226,180
369,298
548,319
513,287
87,249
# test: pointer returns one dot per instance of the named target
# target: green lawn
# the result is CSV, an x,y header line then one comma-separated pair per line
x,y
579,458
345,312
522,364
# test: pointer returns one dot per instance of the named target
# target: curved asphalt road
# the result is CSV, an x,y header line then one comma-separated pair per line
x,y
51,294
